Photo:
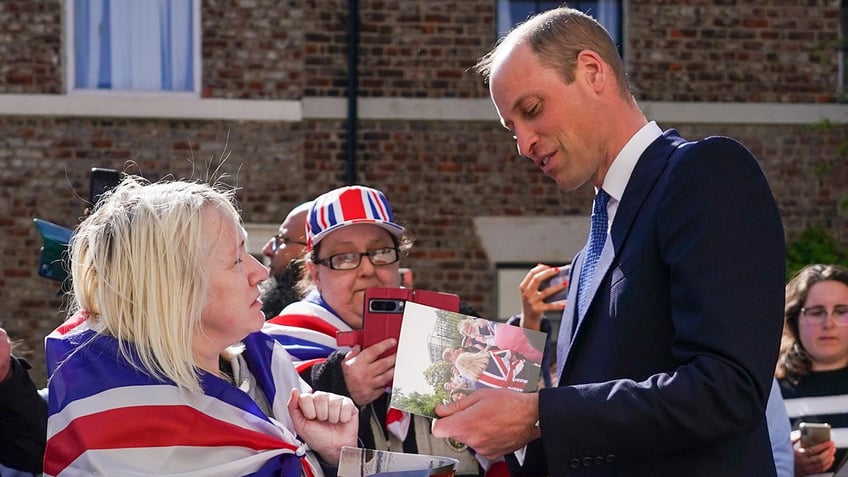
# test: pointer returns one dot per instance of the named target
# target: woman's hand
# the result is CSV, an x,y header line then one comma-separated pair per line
x,y
325,421
533,306
814,459
366,374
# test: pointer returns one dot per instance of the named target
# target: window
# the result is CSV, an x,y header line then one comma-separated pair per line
x,y
842,78
129,45
607,12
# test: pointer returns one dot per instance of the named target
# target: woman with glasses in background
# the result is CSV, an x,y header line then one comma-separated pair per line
x,y
354,243
813,365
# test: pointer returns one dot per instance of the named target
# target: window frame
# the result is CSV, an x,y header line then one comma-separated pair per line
x,y
70,55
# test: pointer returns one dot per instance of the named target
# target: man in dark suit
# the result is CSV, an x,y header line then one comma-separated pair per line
x,y
666,368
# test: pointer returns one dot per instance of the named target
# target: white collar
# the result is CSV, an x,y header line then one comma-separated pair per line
x,y
622,166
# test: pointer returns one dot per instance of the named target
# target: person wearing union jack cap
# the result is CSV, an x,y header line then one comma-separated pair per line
x,y
353,243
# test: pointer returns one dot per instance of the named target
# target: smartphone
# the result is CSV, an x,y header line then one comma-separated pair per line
x,y
813,433
560,278
383,314
101,181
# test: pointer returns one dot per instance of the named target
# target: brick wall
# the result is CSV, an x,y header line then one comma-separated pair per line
x,y
754,51
422,49
253,49
30,46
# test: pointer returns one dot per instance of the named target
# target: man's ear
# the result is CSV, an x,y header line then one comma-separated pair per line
x,y
592,69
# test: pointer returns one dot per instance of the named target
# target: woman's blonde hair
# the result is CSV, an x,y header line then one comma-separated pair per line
x,y
138,269
471,365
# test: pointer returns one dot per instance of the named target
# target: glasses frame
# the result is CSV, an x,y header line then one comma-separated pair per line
x,y
829,314
280,239
328,262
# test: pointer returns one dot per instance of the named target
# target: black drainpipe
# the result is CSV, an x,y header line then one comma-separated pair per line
x,y
352,90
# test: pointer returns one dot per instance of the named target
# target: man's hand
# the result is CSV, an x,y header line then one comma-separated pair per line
x,y
325,421
479,421
366,374
5,355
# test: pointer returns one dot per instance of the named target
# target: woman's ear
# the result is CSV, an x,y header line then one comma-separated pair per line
x,y
313,271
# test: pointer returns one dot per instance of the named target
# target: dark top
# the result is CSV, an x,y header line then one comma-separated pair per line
x,y
23,420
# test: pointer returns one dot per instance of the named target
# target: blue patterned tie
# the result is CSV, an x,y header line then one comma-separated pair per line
x,y
597,237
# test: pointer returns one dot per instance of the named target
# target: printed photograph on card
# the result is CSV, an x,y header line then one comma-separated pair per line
x,y
444,356
357,462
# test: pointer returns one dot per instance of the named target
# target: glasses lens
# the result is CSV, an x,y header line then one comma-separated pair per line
x,y
351,260
841,314
383,256
345,261
815,314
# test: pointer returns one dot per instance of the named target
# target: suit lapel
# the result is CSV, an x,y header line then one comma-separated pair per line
x,y
648,169
567,323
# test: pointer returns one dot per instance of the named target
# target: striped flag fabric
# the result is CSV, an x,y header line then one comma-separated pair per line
x,y
108,417
307,329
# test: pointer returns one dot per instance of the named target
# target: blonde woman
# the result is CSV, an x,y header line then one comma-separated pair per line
x,y
162,368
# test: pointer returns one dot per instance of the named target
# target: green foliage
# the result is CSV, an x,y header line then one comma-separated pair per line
x,y
814,245
417,403
438,373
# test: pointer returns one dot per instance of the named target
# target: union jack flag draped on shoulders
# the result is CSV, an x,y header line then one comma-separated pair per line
x,y
108,417
307,330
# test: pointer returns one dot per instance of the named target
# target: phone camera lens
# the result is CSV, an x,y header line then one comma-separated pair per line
x,y
386,306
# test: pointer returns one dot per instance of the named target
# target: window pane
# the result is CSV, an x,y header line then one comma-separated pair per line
x,y
131,45
607,12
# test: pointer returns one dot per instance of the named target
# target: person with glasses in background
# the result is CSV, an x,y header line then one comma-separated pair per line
x,y
354,243
813,364
284,251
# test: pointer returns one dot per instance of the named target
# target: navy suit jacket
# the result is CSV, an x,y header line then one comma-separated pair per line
x,y
669,371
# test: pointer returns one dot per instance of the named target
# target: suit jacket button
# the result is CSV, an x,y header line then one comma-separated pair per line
x,y
574,463
587,461
610,459
599,460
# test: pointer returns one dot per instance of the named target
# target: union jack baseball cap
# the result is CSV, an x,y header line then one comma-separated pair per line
x,y
347,206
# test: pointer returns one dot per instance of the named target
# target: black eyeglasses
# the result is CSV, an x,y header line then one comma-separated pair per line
x,y
816,315
351,260
281,239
